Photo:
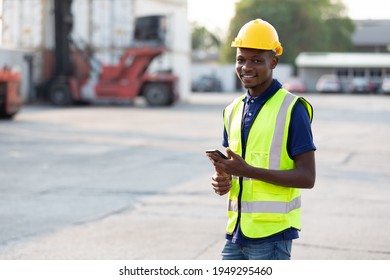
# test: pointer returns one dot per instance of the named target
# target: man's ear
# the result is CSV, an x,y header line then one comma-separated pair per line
x,y
274,61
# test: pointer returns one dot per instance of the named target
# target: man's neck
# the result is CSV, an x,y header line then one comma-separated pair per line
x,y
260,89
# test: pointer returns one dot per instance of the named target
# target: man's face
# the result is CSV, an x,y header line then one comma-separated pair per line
x,y
254,68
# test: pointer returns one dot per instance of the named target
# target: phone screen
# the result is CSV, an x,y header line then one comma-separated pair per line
x,y
217,152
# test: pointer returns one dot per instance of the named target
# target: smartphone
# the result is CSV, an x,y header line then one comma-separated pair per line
x,y
216,152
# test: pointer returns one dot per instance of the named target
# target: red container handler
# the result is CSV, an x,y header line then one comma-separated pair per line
x,y
10,99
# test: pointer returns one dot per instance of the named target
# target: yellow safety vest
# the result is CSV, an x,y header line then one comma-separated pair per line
x,y
264,208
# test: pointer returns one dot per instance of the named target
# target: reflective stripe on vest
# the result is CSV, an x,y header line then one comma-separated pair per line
x,y
266,206
277,139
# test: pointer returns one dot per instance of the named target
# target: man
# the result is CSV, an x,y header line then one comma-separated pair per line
x,y
270,150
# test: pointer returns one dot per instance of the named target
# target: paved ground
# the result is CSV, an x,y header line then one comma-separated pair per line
x,y
138,182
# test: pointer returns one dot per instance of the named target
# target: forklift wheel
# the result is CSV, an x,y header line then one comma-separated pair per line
x,y
59,95
157,94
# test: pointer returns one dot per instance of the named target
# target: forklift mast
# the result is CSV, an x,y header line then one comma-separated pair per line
x,y
63,23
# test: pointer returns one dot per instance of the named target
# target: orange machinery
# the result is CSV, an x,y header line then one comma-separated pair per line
x,y
10,99
124,81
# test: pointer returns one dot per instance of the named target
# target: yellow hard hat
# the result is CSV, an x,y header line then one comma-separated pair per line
x,y
258,34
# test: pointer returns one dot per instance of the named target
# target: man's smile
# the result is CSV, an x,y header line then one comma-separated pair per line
x,y
246,76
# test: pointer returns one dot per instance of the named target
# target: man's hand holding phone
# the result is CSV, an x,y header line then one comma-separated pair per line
x,y
220,181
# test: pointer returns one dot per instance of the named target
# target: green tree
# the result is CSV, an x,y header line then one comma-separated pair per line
x,y
203,40
302,25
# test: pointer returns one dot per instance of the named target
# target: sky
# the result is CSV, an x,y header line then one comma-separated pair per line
x,y
215,15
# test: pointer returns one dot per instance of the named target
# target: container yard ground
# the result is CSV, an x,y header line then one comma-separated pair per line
x,y
119,182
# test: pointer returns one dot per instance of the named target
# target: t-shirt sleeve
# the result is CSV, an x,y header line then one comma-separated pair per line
x,y
300,137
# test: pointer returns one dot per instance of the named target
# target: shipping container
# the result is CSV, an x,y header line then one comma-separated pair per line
x,y
22,23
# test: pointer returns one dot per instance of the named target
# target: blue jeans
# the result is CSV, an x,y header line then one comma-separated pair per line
x,y
279,250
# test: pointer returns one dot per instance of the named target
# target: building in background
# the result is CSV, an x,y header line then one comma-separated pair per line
x,y
372,36
105,26
346,66
369,60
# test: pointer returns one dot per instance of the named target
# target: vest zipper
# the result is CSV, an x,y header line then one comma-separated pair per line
x,y
243,156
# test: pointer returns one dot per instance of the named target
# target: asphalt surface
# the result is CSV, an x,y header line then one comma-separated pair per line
x,y
130,182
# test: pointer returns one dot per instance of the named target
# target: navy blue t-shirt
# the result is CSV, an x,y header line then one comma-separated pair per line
x,y
300,140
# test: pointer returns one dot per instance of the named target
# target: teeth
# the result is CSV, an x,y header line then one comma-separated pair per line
x,y
248,75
